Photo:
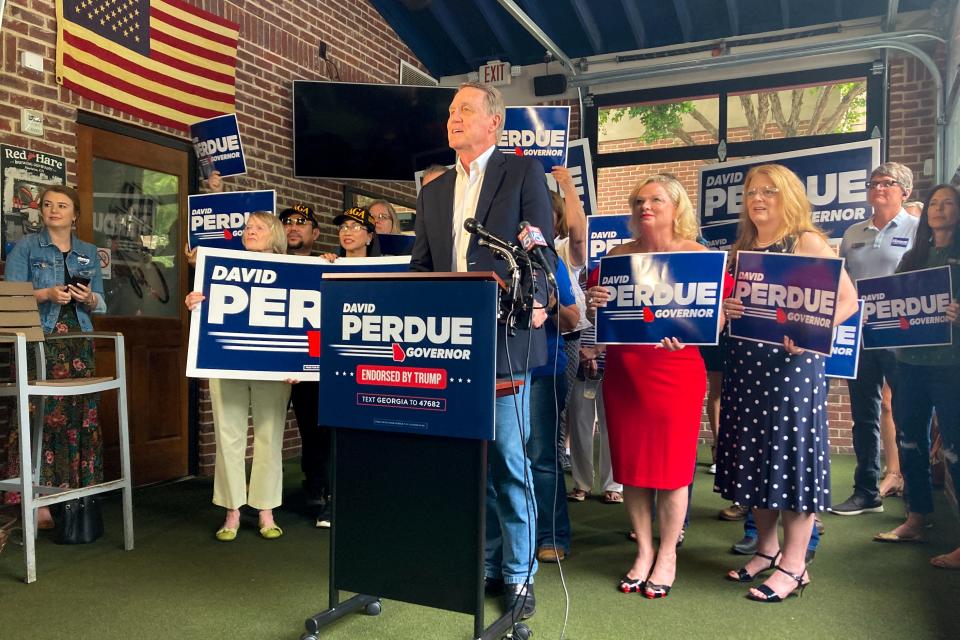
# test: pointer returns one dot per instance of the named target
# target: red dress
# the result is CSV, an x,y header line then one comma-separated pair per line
x,y
653,400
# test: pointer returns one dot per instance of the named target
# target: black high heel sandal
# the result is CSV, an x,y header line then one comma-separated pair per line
x,y
771,596
654,591
632,585
744,576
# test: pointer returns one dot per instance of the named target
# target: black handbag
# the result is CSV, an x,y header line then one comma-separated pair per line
x,y
78,521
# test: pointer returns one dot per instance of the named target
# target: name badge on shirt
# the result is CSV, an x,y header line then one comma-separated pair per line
x,y
899,241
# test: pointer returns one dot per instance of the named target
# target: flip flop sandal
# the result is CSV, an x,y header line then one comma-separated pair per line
x,y
612,497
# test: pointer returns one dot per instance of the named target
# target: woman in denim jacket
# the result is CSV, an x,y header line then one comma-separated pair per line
x,y
68,285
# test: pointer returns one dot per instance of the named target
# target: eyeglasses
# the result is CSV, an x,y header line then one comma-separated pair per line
x,y
294,221
764,192
382,216
349,227
882,184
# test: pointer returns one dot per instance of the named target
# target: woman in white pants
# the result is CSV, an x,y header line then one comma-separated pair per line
x,y
266,401
582,413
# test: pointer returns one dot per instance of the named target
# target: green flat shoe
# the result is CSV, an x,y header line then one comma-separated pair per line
x,y
227,534
271,533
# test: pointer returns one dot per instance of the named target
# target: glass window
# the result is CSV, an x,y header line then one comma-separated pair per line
x,y
804,110
135,216
658,125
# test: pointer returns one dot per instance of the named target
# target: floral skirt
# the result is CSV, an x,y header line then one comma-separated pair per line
x,y
72,451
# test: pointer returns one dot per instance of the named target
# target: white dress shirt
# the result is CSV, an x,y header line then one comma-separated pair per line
x,y
465,197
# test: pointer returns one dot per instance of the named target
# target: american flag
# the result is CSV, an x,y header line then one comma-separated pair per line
x,y
164,61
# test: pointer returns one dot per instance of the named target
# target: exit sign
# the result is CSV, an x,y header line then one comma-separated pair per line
x,y
495,73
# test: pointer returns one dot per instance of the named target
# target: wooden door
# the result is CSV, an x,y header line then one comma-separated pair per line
x,y
134,201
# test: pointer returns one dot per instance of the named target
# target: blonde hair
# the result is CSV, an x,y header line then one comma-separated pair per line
x,y
278,237
560,219
394,220
685,223
797,212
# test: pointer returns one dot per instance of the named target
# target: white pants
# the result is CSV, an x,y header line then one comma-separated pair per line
x,y
233,401
581,415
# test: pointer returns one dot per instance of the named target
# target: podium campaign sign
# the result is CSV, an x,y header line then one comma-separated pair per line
x,y
217,219
539,132
409,356
604,232
907,309
661,295
217,144
261,316
844,357
787,295
835,178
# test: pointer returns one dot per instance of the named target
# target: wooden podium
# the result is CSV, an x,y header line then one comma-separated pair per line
x,y
409,506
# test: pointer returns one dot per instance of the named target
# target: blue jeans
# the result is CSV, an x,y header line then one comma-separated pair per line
x,y
876,365
921,390
511,508
553,522
750,531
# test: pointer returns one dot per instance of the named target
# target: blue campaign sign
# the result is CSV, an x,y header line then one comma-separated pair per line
x,y
217,219
396,244
538,132
787,295
907,309
835,178
217,144
580,165
409,356
845,354
604,232
661,295
261,316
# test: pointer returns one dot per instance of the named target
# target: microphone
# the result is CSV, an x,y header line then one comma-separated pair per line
x,y
471,225
531,238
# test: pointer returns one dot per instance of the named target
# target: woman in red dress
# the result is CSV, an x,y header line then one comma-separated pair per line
x,y
653,396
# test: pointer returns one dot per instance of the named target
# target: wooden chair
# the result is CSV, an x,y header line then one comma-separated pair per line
x,y
19,325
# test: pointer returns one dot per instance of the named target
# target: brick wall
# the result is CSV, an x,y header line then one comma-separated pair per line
x,y
278,43
912,134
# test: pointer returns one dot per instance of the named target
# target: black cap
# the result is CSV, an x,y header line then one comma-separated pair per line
x,y
300,209
357,214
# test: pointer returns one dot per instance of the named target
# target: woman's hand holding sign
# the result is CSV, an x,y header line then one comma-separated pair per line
x,y
193,300
953,312
733,308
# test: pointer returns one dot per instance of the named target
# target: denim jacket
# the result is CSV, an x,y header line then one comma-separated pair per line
x,y
36,259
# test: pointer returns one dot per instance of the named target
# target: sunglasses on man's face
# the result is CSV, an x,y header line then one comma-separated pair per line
x,y
295,221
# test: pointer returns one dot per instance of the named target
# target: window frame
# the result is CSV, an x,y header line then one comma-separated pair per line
x,y
876,116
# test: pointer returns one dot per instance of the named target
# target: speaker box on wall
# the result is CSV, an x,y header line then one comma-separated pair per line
x,y
550,85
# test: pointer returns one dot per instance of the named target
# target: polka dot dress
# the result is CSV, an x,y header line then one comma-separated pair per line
x,y
773,449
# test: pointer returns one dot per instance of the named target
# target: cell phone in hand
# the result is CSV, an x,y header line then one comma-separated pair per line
x,y
84,281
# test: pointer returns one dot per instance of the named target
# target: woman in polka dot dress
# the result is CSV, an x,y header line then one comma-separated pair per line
x,y
773,453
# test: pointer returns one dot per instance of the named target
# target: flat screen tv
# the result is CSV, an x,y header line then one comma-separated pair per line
x,y
368,131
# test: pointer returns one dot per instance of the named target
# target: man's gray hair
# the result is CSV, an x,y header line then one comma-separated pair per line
x,y
492,100
899,172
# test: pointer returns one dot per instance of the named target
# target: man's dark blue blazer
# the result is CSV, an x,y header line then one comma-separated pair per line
x,y
514,189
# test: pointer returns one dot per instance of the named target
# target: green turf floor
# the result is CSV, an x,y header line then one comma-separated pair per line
x,y
179,583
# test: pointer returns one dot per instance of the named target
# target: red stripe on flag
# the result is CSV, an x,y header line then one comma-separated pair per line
x,y
192,28
132,89
188,47
123,106
183,65
136,69
313,343
200,13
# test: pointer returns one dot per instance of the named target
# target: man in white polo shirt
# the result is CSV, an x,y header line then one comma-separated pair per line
x,y
874,248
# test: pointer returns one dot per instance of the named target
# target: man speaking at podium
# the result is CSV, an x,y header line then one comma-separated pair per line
x,y
500,191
